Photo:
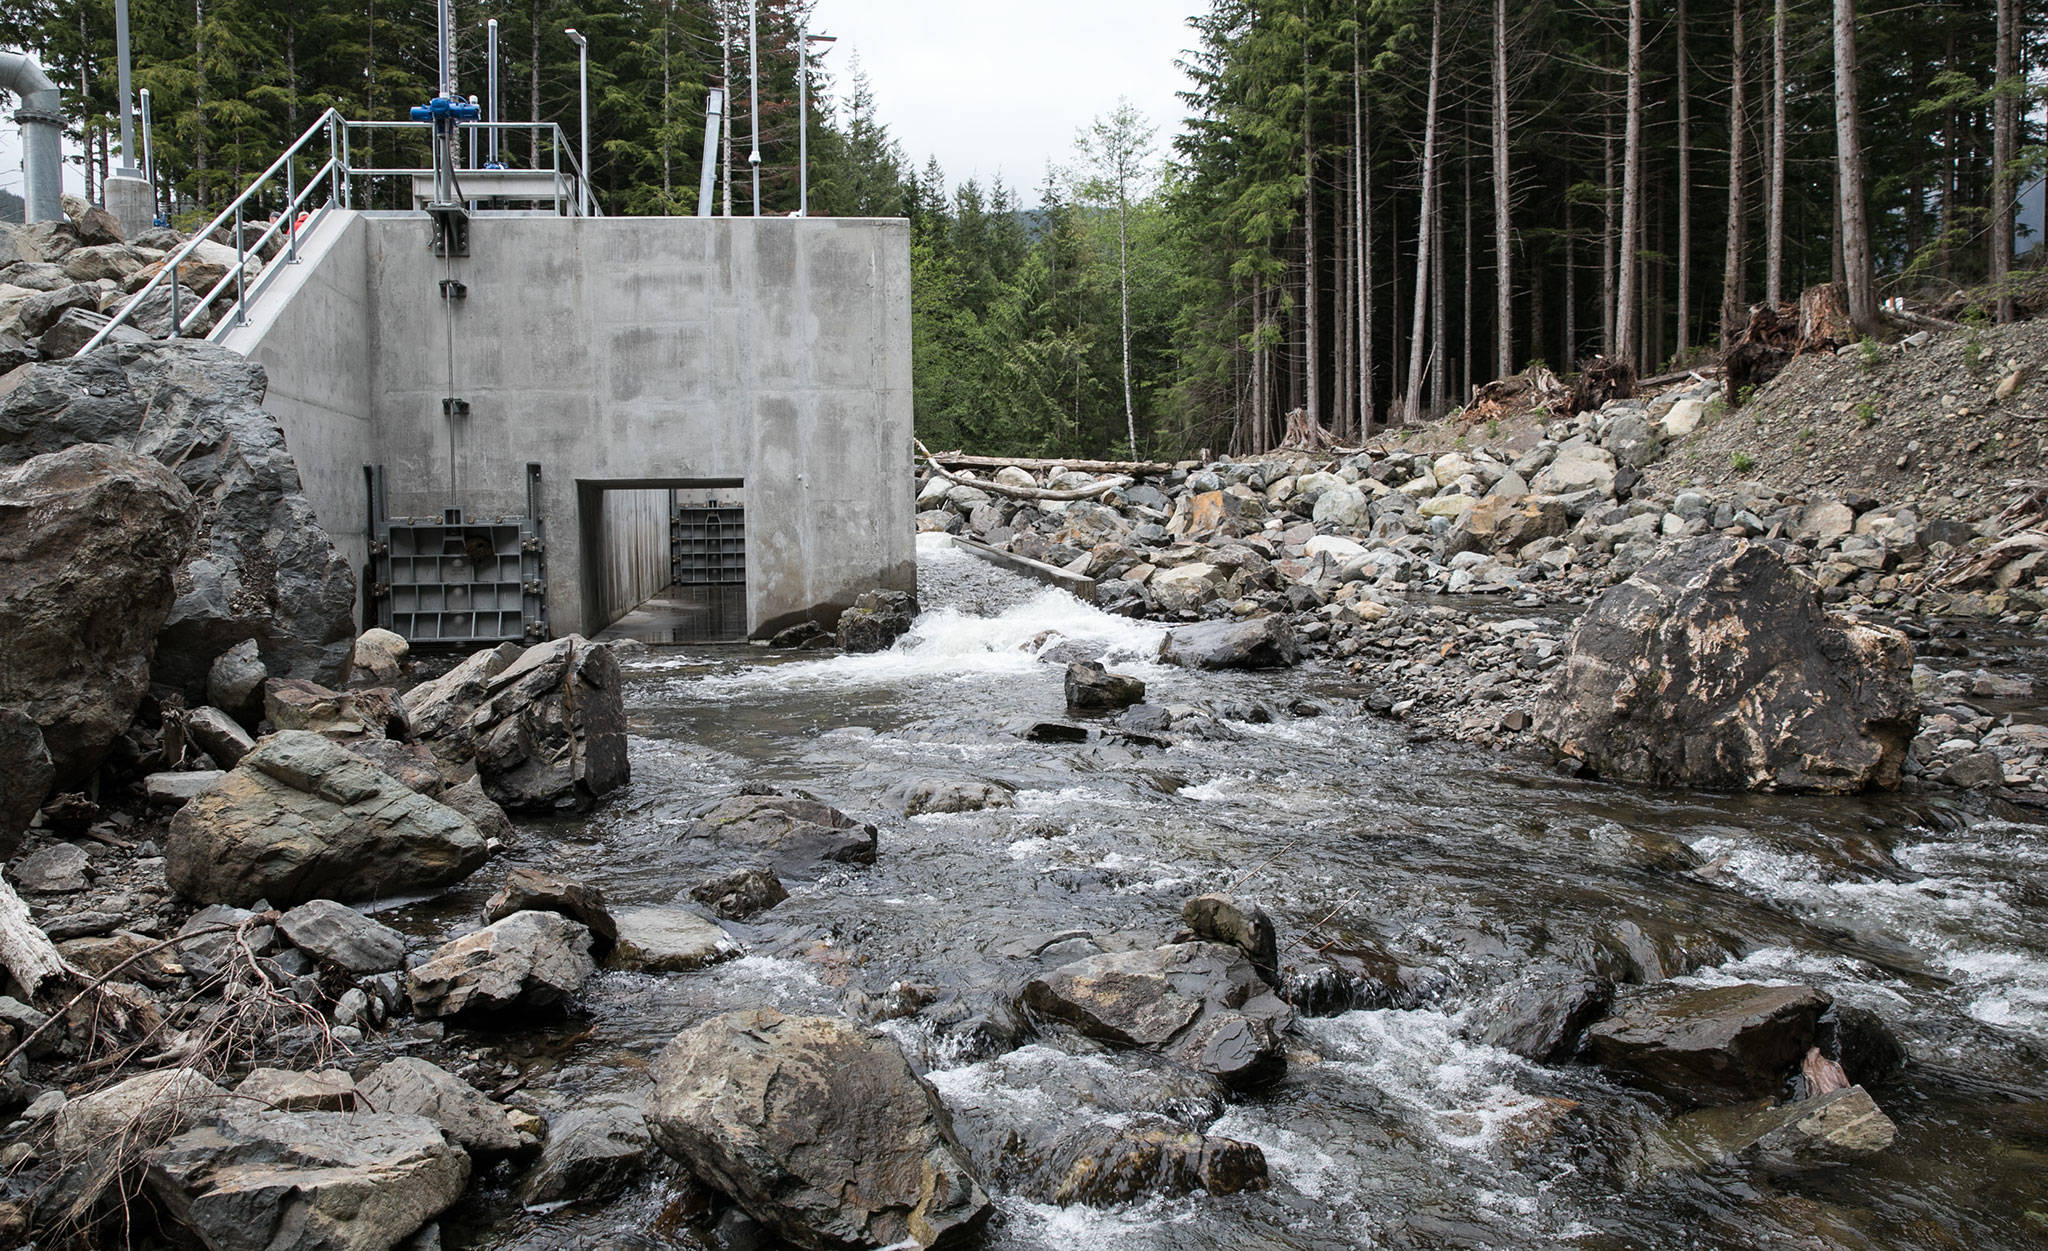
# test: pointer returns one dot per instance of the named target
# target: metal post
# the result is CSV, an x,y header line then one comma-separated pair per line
x,y
754,95
803,119
291,212
177,313
149,158
336,160
714,111
583,111
491,87
241,270
121,62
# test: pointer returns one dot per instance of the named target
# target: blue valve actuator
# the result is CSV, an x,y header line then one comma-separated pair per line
x,y
446,109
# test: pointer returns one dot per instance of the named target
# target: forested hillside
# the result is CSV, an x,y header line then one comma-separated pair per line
x,y
1369,208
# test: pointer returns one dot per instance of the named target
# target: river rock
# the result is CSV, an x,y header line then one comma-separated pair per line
x,y
1716,666
1709,1044
89,539
550,733
669,940
876,620
742,895
819,1130
1544,1016
261,567
307,1181
915,797
799,838
305,818
337,934
25,775
140,1110
439,711
283,1090
530,890
207,955
1089,685
528,961
592,1152
1200,1004
1840,1127
1260,643
410,1086
1245,926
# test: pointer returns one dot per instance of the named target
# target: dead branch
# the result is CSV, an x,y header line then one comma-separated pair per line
x,y
27,952
960,460
1089,492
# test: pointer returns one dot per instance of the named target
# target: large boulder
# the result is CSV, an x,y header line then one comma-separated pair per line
x,y
307,1181
530,961
799,838
876,620
261,567
89,538
1203,1005
302,818
1709,1044
141,1110
25,775
1717,666
1506,523
1577,467
1259,643
336,934
410,1086
439,711
547,734
818,1129
669,940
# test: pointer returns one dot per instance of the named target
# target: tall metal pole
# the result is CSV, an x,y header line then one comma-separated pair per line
x,y
491,88
583,109
803,119
714,112
754,94
149,154
121,61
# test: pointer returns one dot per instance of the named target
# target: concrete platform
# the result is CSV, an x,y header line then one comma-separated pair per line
x,y
671,617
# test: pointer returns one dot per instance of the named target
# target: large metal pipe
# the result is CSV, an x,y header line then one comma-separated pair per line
x,y
41,116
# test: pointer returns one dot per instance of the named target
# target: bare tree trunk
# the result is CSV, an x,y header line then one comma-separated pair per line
x,y
533,85
1361,132
1341,302
2004,147
1733,316
725,119
200,147
1569,360
1684,190
1774,226
1439,306
1625,344
668,190
1311,292
1123,287
1858,273
25,951
1411,410
1466,347
1503,274
1608,223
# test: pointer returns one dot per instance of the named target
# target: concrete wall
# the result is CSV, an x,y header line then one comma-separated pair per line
x,y
632,534
621,352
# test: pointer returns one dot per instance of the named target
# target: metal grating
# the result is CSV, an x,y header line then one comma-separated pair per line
x,y
708,570
451,581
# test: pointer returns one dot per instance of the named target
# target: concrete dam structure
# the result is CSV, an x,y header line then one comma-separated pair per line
x,y
542,434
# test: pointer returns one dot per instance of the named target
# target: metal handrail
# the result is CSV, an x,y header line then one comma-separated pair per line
x,y
335,176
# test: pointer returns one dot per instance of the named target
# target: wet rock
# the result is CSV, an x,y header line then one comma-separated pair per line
x,y
669,940
529,960
440,710
1542,1018
218,735
819,1130
922,795
1089,685
282,1090
1200,1004
145,1109
337,934
25,775
410,1086
1107,1165
1709,1044
550,734
799,838
261,567
1837,1128
593,1151
304,818
1055,732
57,869
236,680
1245,926
1260,643
307,1181
1717,667
530,890
1869,1052
742,895
876,620
89,537
174,790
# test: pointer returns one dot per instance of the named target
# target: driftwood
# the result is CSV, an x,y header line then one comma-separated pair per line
x,y
1600,380
960,460
27,952
1089,492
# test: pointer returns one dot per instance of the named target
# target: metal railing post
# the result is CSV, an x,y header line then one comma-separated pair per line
x,y
348,186
241,271
291,214
177,314
334,163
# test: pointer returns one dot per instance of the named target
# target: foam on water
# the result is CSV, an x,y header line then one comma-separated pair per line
x,y
1464,1092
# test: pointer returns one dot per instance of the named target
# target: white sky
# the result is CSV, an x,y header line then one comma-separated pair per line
x,y
999,86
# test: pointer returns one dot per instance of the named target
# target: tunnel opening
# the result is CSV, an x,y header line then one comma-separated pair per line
x,y
665,561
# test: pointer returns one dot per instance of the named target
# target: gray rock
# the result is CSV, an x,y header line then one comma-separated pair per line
x,y
876,620
1543,1016
1576,467
439,710
412,1087
739,896
25,775
468,798
206,955
40,312
593,1151
151,312
1718,667
282,1090
236,680
307,1181
817,1129
1220,918
1837,1128
528,961
530,890
1709,1045
174,790
89,538
145,1109
1089,685
60,868
1260,643
218,735
669,940
337,934
550,733
799,838
917,796
379,657
344,716
304,818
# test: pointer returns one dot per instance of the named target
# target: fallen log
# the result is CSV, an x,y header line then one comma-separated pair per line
x,y
27,952
960,460
1089,492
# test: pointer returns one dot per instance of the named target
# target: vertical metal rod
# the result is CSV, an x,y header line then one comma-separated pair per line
x,y
121,62
149,159
291,212
336,159
714,111
803,123
446,26
177,313
348,186
241,270
583,109
491,86
754,94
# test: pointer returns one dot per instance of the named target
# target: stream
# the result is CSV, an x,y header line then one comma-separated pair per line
x,y
1465,868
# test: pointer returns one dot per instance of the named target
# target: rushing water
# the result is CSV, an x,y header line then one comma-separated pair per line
x,y
1464,867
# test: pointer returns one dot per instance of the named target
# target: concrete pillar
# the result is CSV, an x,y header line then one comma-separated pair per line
x,y
129,200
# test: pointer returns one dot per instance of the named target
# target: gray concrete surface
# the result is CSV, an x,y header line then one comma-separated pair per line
x,y
617,353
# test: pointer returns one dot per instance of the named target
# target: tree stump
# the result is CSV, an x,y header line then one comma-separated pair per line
x,y
1304,435
1602,379
1760,353
1824,323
